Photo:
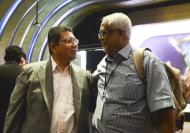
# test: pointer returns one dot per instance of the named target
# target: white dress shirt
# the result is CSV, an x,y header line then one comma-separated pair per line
x,y
63,109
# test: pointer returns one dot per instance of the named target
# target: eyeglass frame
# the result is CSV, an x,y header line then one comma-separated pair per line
x,y
103,33
72,40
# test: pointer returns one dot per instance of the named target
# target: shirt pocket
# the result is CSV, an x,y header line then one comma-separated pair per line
x,y
134,88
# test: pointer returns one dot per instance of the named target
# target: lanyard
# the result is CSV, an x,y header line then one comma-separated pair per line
x,y
106,82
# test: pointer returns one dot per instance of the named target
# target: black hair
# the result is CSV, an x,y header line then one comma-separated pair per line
x,y
13,53
54,34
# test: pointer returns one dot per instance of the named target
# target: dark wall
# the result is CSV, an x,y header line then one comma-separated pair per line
x,y
93,58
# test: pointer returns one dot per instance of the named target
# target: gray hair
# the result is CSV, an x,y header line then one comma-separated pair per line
x,y
119,21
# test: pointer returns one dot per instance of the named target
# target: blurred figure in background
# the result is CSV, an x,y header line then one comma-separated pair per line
x,y
23,59
8,73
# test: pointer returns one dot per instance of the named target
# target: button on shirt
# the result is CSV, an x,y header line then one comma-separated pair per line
x,y
127,100
63,108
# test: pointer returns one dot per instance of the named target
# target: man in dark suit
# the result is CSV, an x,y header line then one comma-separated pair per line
x,y
53,95
8,74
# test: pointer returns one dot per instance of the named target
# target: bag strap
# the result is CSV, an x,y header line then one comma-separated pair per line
x,y
138,58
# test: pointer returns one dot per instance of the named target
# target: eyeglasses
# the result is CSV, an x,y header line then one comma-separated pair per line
x,y
70,40
103,33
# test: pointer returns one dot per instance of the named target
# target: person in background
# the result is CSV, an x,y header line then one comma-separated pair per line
x,y
8,74
125,103
51,96
23,59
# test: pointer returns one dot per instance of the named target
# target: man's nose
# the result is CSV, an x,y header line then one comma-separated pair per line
x,y
74,44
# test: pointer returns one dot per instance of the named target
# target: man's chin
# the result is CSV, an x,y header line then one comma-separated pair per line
x,y
74,57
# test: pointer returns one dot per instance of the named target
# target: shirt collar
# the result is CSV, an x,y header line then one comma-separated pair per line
x,y
123,54
56,67
53,64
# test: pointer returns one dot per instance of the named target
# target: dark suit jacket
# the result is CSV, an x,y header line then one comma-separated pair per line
x,y
30,109
8,74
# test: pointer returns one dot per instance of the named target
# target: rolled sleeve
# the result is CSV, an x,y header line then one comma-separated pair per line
x,y
159,93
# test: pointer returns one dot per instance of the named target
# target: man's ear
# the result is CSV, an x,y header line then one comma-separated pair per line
x,y
22,61
53,47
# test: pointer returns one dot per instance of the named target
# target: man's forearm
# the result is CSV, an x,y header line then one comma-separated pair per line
x,y
167,120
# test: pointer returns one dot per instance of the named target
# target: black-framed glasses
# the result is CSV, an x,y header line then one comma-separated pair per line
x,y
70,40
103,33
